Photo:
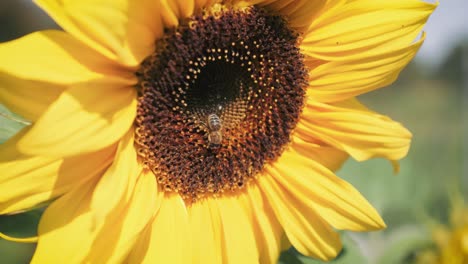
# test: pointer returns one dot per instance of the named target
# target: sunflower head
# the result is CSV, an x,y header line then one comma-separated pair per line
x,y
218,99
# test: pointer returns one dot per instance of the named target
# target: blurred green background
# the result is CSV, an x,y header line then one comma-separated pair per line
x,y
430,98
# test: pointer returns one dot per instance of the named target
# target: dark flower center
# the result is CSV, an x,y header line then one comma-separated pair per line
x,y
218,99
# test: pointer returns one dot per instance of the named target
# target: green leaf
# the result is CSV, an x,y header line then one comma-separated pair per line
x,y
10,123
22,224
289,257
19,225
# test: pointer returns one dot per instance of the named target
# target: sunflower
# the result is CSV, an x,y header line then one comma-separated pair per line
x,y
449,240
452,244
200,131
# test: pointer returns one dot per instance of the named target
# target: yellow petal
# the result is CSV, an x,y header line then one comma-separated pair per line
x,y
84,118
237,235
118,179
330,157
169,13
54,56
200,4
308,233
174,11
168,238
27,98
332,198
67,228
123,31
365,28
298,14
351,127
27,181
206,231
338,80
85,231
117,238
267,229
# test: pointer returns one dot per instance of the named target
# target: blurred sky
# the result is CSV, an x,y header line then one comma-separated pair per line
x,y
447,26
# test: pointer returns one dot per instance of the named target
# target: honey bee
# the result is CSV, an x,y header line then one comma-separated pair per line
x,y
215,135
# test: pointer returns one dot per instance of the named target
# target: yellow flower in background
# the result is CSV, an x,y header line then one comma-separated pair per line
x,y
200,131
454,250
451,242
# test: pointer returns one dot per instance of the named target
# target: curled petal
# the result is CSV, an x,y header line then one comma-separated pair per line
x,y
351,127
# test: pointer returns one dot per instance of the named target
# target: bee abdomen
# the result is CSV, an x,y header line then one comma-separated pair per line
x,y
214,122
